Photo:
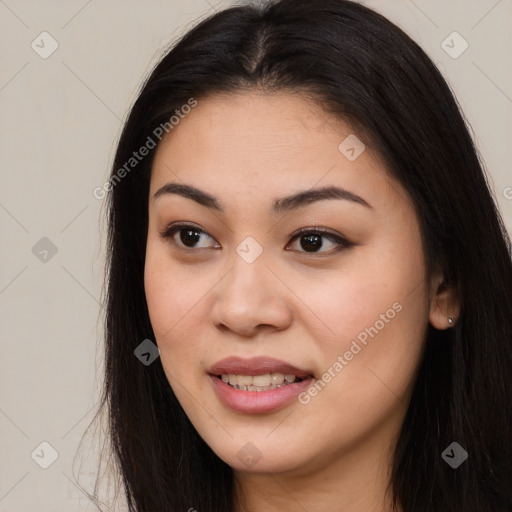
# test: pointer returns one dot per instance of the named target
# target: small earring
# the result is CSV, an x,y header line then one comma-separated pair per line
x,y
450,321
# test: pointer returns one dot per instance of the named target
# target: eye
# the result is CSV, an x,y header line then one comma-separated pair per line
x,y
190,235
311,240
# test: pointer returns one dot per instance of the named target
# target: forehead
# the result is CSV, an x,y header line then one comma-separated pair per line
x,y
262,144
275,123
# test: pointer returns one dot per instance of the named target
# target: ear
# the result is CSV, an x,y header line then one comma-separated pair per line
x,y
444,303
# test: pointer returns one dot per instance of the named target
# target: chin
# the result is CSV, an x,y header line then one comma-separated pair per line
x,y
265,456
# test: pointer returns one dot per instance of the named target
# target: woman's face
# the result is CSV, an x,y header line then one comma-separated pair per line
x,y
347,311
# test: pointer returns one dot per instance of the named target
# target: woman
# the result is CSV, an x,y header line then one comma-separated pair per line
x,y
300,223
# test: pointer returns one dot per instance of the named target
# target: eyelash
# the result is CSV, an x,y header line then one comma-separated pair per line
x,y
342,242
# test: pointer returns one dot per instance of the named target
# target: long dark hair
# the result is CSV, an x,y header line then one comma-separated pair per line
x,y
361,67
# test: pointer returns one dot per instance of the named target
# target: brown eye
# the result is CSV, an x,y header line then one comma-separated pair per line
x,y
189,236
311,241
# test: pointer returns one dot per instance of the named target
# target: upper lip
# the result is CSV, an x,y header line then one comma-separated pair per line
x,y
256,366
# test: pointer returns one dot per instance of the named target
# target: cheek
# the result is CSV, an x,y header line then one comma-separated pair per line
x,y
343,305
369,364
170,294
171,297
177,296
376,313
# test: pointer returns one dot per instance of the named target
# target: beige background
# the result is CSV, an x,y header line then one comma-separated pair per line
x,y
60,119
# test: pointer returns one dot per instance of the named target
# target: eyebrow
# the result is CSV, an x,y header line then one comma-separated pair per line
x,y
280,205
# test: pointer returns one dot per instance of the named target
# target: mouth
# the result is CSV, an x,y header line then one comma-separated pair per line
x,y
258,385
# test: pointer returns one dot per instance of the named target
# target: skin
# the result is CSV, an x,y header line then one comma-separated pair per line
x,y
207,303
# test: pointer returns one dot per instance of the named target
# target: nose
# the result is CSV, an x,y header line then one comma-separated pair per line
x,y
251,298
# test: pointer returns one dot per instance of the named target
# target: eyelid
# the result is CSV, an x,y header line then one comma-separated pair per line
x,y
319,230
173,228
340,240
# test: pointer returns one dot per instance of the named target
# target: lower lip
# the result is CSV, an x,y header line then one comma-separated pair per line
x,y
257,402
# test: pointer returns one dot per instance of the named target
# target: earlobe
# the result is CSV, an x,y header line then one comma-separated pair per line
x,y
444,305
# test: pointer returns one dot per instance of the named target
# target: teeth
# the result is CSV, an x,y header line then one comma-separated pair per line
x,y
261,381
277,379
258,382
244,380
